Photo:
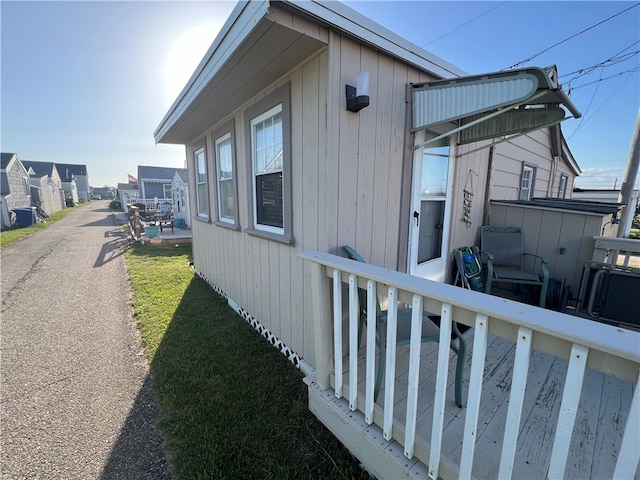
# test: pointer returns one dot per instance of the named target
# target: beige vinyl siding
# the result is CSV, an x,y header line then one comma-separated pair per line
x,y
371,153
532,149
266,278
471,173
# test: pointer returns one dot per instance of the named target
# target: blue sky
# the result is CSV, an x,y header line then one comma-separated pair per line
x,y
89,82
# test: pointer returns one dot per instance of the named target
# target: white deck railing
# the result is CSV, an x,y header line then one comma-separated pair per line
x,y
615,251
152,203
601,347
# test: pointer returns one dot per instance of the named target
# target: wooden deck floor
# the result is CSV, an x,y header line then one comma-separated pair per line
x,y
603,410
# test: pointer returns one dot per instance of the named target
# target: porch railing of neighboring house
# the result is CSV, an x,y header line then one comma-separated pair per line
x,y
616,251
601,347
152,202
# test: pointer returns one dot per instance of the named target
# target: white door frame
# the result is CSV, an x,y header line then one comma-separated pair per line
x,y
434,269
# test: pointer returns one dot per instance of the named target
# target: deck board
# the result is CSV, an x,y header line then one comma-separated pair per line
x,y
603,409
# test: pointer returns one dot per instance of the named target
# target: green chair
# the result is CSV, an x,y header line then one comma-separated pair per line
x,y
503,246
430,333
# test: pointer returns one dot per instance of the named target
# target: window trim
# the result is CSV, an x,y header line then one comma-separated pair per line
x,y
562,189
532,169
281,96
201,147
228,129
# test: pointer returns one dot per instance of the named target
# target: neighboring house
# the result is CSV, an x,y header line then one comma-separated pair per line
x,y
283,159
180,195
46,185
69,184
155,182
78,177
15,188
127,193
105,193
609,196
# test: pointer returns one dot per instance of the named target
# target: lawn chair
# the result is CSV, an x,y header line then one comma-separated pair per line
x,y
430,333
503,247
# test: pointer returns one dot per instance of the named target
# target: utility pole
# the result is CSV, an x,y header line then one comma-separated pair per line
x,y
630,175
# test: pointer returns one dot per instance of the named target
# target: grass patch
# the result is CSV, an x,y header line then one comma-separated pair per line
x,y
7,237
231,405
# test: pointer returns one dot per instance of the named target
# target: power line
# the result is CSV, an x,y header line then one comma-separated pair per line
x,y
526,60
464,24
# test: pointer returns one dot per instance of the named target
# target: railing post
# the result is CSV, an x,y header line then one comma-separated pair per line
x,y
322,325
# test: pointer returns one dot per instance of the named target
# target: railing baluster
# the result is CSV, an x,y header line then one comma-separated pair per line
x,y
516,399
414,375
476,375
390,371
568,410
353,342
629,454
441,390
337,330
372,302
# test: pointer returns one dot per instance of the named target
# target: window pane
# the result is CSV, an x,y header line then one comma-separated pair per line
x,y
268,144
434,171
201,184
224,159
269,208
225,194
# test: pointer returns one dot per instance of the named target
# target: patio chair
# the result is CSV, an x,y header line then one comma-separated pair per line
x,y
503,246
430,333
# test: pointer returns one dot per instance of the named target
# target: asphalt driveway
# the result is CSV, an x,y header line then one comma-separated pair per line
x,y
75,394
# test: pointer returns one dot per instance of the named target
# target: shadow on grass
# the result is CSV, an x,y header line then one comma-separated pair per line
x,y
231,405
157,250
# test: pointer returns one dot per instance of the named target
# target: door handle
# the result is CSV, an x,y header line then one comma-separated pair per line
x,y
416,215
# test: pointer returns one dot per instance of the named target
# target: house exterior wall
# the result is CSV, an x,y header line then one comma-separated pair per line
x,y
351,179
17,181
533,149
153,188
347,176
84,190
180,199
564,238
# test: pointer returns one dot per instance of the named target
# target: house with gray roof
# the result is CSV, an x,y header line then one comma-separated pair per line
x,y
15,191
75,177
155,182
46,185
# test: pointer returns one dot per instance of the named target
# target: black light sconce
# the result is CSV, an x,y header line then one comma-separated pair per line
x,y
358,96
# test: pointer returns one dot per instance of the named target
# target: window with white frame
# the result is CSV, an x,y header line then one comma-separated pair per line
x,y
562,188
268,143
202,198
266,152
526,182
225,178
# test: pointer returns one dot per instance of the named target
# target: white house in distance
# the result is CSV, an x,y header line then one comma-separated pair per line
x,y
15,191
180,196
285,157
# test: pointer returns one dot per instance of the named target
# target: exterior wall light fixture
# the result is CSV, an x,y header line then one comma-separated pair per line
x,y
358,96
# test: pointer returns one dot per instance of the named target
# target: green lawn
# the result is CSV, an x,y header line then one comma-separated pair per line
x,y
232,406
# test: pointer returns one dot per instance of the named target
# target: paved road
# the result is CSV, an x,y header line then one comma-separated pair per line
x,y
75,395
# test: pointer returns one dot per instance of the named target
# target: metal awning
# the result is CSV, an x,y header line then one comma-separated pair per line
x,y
491,105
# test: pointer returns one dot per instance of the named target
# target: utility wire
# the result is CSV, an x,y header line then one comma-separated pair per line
x,y
463,25
526,60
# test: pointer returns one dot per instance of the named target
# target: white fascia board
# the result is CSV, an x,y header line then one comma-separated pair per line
x,y
568,156
366,30
244,17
